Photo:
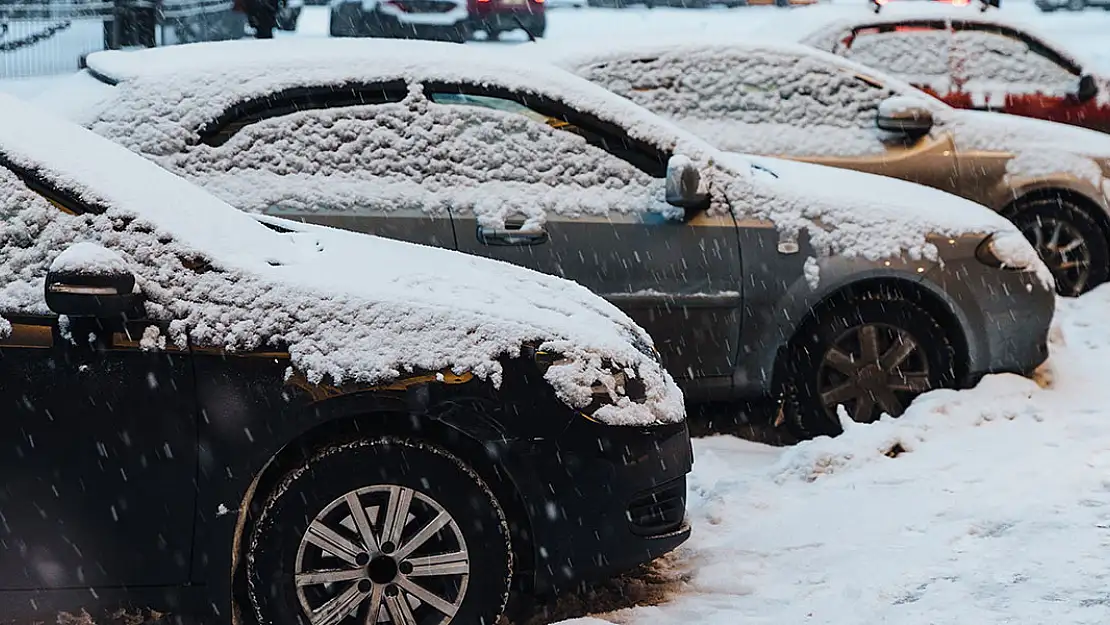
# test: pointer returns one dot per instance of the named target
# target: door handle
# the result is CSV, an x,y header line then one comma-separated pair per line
x,y
510,235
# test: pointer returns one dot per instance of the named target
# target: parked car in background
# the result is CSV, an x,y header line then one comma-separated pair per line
x,y
289,13
797,102
438,20
748,280
976,62
1049,6
326,426
500,16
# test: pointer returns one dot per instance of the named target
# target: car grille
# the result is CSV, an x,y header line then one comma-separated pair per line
x,y
660,510
423,6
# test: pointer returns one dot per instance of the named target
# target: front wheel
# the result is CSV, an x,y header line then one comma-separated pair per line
x,y
871,354
1069,242
380,531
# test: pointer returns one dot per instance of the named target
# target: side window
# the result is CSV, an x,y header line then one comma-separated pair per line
x,y
496,138
768,89
989,60
424,153
918,55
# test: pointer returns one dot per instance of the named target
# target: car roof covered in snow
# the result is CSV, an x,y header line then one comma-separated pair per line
x,y
347,306
826,36
214,76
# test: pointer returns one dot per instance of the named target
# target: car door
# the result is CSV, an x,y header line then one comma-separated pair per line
x,y
577,198
1005,70
99,461
334,156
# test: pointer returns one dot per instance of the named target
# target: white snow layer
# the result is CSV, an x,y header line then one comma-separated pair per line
x,y
425,155
89,258
348,307
987,506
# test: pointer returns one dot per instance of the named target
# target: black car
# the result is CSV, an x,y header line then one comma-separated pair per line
x,y
205,413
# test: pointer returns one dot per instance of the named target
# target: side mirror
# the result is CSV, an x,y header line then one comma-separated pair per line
x,y
87,280
904,115
683,180
1088,88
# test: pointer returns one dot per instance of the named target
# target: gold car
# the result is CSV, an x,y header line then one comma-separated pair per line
x,y
799,103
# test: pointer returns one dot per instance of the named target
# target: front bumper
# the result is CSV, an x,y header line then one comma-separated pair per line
x,y
603,499
1005,314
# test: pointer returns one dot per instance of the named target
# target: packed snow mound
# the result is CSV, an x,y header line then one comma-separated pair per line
x,y
89,258
989,505
347,307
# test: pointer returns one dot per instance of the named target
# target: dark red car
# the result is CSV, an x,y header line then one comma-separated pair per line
x,y
976,62
498,16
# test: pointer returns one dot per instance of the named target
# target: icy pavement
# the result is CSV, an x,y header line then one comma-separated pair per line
x,y
984,506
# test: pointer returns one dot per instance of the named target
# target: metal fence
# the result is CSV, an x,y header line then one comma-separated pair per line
x,y
40,37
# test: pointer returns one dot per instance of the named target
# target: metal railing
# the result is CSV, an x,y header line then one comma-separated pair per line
x,y
40,37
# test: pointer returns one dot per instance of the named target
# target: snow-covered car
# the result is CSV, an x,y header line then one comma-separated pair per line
x,y
800,103
328,426
499,16
976,62
749,274
437,20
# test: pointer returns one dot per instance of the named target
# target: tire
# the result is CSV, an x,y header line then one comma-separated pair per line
x,y
380,474
813,367
1076,5
1044,216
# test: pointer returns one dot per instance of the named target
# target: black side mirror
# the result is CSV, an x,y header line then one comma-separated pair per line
x,y
683,180
87,280
904,116
1088,88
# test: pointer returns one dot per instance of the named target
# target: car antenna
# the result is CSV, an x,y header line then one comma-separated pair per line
x,y
520,23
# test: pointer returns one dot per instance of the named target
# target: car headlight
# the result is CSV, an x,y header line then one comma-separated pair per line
x,y
1007,250
613,385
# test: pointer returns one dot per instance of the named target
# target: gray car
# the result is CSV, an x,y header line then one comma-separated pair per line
x,y
756,277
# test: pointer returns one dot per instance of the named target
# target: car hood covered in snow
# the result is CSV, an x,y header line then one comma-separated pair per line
x,y
868,204
348,307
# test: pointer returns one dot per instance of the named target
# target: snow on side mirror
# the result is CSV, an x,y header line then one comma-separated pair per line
x,y
1088,88
87,280
683,181
908,116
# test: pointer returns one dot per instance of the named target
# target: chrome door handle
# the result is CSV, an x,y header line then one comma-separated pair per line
x,y
511,236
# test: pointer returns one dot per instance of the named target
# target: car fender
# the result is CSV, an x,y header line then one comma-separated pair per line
x,y
835,274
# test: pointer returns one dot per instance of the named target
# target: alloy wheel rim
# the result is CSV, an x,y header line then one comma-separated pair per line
x,y
382,554
871,369
1064,251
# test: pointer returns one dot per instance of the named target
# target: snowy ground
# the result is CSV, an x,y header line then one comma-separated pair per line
x,y
983,507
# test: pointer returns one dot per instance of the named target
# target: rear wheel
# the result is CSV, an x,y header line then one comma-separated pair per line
x,y
873,354
1069,242
380,531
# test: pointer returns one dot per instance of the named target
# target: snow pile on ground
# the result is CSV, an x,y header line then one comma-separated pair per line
x,y
349,308
990,506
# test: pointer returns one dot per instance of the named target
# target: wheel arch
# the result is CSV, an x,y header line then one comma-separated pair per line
x,y
914,292
386,416
1081,200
